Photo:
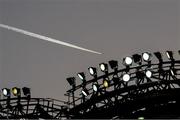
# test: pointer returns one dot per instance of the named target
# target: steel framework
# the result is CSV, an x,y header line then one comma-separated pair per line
x,y
141,96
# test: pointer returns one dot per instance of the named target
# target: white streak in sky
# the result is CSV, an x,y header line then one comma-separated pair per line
x,y
45,38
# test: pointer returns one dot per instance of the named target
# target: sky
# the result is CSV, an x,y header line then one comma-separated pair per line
x,y
116,28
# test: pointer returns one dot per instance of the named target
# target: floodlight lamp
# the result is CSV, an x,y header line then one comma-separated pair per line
x,y
92,71
16,91
148,74
146,56
137,58
103,67
81,76
169,55
26,91
127,61
115,79
95,87
139,75
106,83
173,72
71,80
6,92
158,55
126,77
85,92
113,64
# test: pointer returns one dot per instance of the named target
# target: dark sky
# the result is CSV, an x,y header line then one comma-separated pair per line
x,y
114,27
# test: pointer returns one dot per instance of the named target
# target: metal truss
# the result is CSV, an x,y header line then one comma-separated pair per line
x,y
157,96
127,99
33,108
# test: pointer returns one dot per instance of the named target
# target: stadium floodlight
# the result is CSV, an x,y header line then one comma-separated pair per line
x,y
140,75
92,71
71,80
81,75
106,83
113,64
169,55
103,67
85,92
140,118
26,91
173,72
127,61
159,56
6,92
146,56
126,77
16,91
95,87
148,73
137,58
115,79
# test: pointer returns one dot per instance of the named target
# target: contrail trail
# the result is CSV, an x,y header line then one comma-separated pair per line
x,y
45,38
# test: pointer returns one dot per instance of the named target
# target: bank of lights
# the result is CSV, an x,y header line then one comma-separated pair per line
x,y
15,91
126,76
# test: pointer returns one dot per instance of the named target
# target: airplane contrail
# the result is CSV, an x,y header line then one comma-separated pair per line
x,y
45,38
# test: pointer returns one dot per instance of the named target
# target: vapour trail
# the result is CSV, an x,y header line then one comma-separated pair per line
x,y
45,38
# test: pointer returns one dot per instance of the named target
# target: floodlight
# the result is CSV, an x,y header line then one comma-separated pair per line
x,y
159,56
115,79
71,80
16,91
173,72
126,77
137,58
85,92
127,61
81,76
95,87
140,118
26,91
146,56
6,92
139,75
169,55
92,71
106,83
113,64
148,74
103,67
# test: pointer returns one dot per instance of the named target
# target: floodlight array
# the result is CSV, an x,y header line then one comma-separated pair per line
x,y
16,92
137,66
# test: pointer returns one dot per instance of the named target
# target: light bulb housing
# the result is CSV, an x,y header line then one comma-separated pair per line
x,y
127,61
81,75
103,67
16,91
92,71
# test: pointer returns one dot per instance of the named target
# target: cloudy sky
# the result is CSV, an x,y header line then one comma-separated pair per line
x,y
114,27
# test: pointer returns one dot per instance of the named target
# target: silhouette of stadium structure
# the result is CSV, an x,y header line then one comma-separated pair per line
x,y
148,86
